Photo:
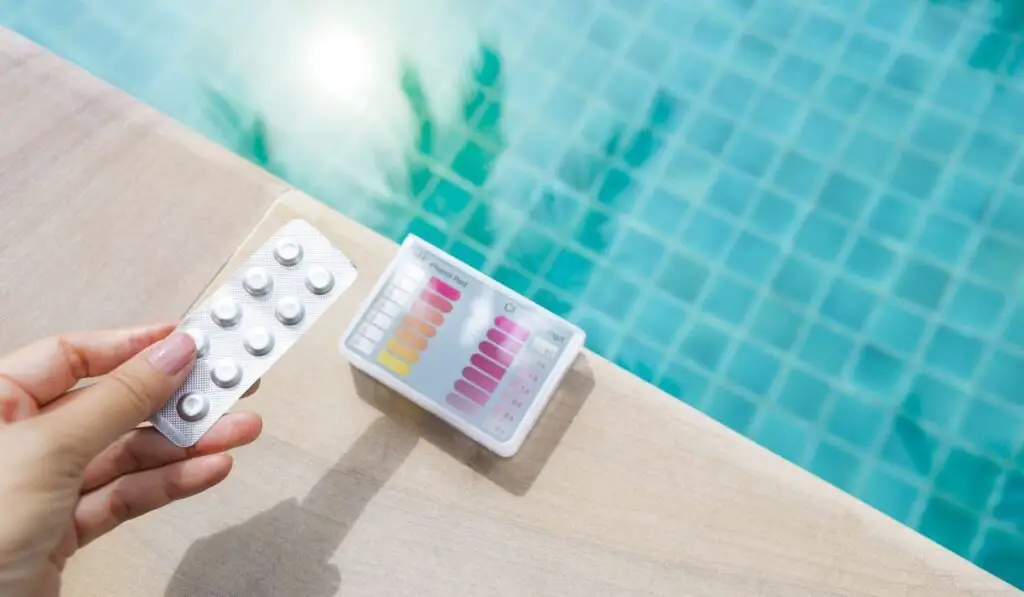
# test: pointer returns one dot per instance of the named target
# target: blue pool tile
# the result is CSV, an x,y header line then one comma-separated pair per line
x,y
773,215
530,249
848,304
836,465
685,383
934,401
989,154
865,56
552,302
664,212
690,171
618,191
563,109
949,525
608,31
596,231
649,52
877,371
943,238
704,345
896,328
797,74
889,17
587,68
870,259
845,95
638,358
683,278
728,300
976,307
819,36
707,234
961,92
968,196
555,210
711,34
776,19
1003,375
991,428
821,237
954,352
798,175
798,279
751,154
752,256
1009,506
689,73
922,283
1014,332
998,262
428,232
968,478
660,319
911,447
844,196
638,254
570,272
785,435
887,113
468,255
1002,112
937,133
825,350
753,369
890,494
893,217
732,93
731,409
804,395
1001,554
732,192
754,53
916,175
867,154
1009,217
820,136
513,278
777,324
613,295
710,133
673,17
909,73
774,113
855,420
628,92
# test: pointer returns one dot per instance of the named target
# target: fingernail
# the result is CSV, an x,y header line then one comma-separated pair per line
x,y
173,353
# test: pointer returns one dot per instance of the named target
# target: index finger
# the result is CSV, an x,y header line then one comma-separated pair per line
x,y
45,369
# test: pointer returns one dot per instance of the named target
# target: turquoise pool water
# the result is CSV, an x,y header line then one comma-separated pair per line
x,y
803,217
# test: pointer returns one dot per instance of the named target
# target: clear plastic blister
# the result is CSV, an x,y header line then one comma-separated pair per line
x,y
248,323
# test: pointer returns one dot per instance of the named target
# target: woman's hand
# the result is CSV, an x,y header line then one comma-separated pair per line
x,y
73,464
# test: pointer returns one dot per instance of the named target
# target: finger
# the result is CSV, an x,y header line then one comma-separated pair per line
x,y
145,449
73,394
118,402
44,370
131,496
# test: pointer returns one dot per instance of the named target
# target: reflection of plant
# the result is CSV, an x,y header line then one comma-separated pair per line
x,y
424,169
244,129
993,50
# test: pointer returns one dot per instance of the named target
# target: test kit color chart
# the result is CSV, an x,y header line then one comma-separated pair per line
x,y
419,310
473,352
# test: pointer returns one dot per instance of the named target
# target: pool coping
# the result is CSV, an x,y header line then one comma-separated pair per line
x,y
624,489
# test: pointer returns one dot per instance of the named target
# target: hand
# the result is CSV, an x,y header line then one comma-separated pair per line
x,y
74,465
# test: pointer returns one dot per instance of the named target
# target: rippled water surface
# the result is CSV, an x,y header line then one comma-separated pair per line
x,y
803,217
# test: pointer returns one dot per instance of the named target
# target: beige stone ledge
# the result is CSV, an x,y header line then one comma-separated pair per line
x,y
111,214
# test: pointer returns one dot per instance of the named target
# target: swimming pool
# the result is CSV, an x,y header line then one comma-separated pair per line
x,y
803,217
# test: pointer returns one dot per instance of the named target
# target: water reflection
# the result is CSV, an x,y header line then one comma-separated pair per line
x,y
1001,49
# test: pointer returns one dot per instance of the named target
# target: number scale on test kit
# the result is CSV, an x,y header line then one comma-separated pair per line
x,y
248,323
461,345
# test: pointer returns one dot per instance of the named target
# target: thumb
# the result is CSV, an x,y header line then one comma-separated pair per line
x,y
123,399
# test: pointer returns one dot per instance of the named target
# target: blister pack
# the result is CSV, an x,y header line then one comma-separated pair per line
x,y
466,348
248,323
